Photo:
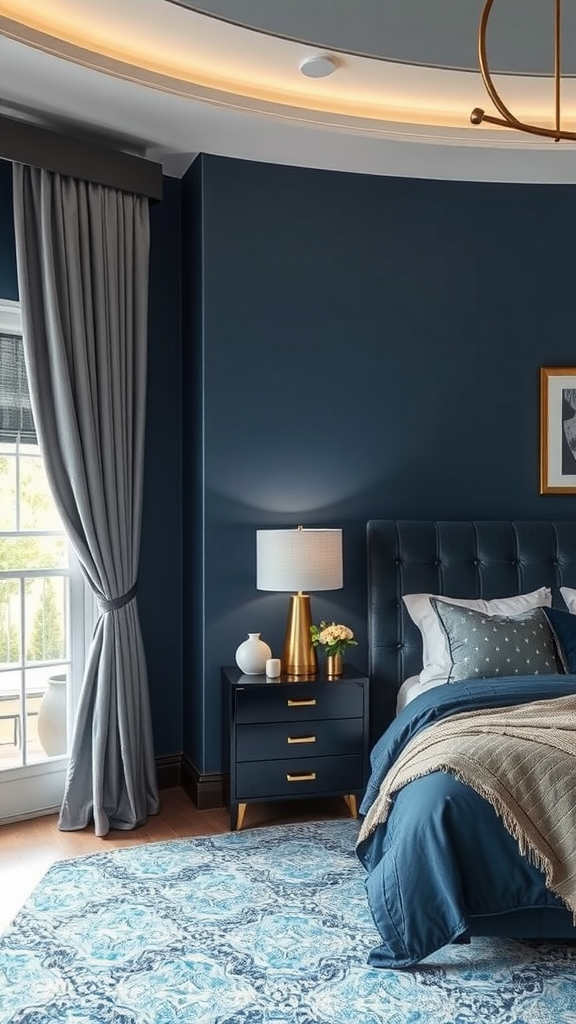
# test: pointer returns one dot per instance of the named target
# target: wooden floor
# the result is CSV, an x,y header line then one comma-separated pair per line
x,y
28,848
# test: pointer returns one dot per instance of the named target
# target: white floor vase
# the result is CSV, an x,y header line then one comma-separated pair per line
x,y
52,717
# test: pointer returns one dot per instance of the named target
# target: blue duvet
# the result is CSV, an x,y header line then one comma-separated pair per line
x,y
443,856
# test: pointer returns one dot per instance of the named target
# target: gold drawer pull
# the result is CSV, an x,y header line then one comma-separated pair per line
x,y
300,739
303,777
302,703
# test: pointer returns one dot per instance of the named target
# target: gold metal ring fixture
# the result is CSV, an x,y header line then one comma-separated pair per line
x,y
508,120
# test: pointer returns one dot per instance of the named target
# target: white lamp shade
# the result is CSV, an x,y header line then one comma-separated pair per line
x,y
299,559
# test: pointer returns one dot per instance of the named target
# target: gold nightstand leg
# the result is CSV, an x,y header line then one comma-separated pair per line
x,y
350,801
241,813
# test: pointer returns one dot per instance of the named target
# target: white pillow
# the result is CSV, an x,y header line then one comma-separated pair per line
x,y
411,688
436,659
569,596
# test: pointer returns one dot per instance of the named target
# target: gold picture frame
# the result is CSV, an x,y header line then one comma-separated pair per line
x,y
557,430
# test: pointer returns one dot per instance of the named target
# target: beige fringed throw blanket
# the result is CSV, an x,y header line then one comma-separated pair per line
x,y
521,759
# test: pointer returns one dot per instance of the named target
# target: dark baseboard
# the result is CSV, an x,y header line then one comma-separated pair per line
x,y
169,771
205,791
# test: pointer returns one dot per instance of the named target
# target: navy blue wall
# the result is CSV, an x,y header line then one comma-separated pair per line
x,y
193,706
370,348
8,277
160,575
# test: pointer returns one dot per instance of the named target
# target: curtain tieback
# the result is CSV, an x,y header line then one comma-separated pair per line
x,y
116,602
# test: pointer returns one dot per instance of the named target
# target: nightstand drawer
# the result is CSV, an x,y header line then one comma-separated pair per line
x,y
299,702
279,740
262,780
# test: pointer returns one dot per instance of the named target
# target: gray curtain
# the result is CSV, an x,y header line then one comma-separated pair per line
x,y
82,258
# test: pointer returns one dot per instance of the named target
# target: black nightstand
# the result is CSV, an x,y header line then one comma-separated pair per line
x,y
296,737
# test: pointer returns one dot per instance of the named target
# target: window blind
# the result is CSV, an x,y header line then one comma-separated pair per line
x,y
15,409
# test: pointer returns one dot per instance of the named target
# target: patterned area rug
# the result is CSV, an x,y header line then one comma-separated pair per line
x,y
266,926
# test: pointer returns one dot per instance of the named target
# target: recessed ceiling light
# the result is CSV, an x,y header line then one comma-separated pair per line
x,y
318,67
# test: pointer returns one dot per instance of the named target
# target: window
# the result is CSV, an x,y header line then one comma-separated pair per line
x,y
42,608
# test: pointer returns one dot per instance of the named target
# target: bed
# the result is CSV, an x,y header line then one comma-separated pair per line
x,y
442,867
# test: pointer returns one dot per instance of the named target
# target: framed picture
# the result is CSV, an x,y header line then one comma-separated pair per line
x,y
558,430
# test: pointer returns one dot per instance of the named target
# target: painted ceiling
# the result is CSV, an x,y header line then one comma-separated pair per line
x,y
170,79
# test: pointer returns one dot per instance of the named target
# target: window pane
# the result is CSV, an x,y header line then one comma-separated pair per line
x,y
7,490
43,733
10,624
28,447
46,712
46,619
10,720
37,510
36,637
10,727
33,553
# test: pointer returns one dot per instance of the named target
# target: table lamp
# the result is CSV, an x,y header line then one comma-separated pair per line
x,y
299,560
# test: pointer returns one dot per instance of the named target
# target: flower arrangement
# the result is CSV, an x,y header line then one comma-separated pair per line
x,y
333,637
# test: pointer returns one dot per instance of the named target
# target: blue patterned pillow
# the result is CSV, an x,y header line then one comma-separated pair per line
x,y
564,629
483,646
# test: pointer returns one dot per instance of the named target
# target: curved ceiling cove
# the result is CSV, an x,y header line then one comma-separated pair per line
x,y
431,33
168,79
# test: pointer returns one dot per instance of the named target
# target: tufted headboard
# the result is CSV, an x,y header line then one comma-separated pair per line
x,y
458,559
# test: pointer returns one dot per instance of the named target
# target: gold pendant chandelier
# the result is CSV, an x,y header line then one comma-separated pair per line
x,y
508,120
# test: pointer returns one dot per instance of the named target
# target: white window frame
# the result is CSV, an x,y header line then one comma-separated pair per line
x,y
36,789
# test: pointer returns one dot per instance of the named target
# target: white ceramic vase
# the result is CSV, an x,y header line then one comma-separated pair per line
x,y
52,717
252,655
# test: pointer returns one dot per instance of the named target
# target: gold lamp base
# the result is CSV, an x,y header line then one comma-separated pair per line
x,y
299,656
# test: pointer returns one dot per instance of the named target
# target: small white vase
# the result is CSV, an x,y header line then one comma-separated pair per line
x,y
52,717
252,655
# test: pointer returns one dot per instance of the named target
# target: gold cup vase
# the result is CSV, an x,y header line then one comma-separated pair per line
x,y
334,666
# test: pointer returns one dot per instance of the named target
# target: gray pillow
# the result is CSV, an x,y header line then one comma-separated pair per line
x,y
483,646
